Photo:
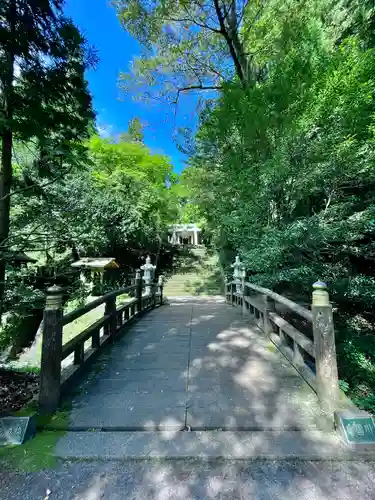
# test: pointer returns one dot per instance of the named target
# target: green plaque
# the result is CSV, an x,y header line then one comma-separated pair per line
x,y
357,427
16,430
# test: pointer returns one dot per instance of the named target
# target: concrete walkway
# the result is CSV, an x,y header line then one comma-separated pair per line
x,y
197,366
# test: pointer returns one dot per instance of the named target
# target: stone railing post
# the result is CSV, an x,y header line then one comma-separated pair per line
x,y
161,286
243,291
138,289
268,306
232,292
325,348
50,372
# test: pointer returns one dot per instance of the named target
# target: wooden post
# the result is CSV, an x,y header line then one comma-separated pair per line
x,y
325,348
226,289
95,339
79,354
243,290
110,309
231,294
138,290
50,373
268,306
161,286
297,356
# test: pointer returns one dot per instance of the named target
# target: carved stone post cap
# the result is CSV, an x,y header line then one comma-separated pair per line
x,y
138,274
161,279
54,297
320,285
320,295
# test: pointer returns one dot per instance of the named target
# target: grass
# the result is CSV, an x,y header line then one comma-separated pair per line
x,y
37,453
75,327
22,369
34,455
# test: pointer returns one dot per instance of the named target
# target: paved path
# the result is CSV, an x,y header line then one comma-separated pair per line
x,y
183,480
195,365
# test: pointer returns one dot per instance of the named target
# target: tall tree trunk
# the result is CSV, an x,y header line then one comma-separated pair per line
x,y
226,33
6,167
238,47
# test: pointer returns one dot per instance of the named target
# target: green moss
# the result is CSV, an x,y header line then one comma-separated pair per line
x,y
37,454
271,347
59,421
55,421
34,455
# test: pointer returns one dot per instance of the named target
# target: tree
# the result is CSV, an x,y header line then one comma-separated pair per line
x,y
135,131
188,45
44,95
142,178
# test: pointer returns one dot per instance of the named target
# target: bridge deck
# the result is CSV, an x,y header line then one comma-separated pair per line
x,y
194,365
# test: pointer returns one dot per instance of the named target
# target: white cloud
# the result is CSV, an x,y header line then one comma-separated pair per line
x,y
105,129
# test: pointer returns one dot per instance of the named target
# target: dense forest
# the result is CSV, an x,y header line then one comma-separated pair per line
x,y
281,160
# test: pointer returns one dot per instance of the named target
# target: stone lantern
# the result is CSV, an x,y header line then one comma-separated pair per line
x,y
238,273
97,266
148,274
17,258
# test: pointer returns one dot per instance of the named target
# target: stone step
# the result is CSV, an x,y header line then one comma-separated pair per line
x,y
304,445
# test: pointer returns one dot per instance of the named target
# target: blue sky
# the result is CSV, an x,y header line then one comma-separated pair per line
x,y
97,20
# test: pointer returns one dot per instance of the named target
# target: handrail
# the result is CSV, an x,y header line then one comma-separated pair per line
x,y
104,330
302,311
70,346
314,359
301,339
80,311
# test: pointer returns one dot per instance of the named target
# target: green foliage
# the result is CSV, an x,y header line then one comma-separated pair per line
x,y
46,110
284,170
64,195
344,386
366,403
134,133
118,204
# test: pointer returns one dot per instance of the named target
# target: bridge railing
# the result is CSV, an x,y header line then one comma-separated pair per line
x,y
314,358
53,380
